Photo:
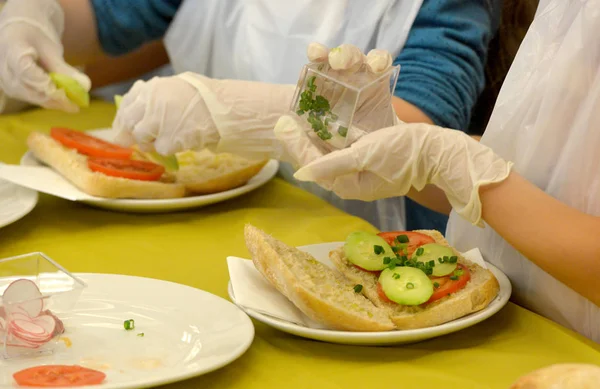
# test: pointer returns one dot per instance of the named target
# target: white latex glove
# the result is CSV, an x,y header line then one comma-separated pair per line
x,y
388,162
191,111
30,43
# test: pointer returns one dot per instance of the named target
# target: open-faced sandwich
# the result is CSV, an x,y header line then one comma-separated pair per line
x,y
103,169
389,281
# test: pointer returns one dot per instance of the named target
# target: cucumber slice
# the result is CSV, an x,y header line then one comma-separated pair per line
x,y
406,285
435,252
367,250
169,162
74,91
118,99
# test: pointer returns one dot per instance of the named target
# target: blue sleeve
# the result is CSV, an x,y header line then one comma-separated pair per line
x,y
124,25
442,63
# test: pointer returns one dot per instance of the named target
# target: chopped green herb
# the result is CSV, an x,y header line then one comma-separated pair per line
x,y
402,239
420,251
358,288
387,260
396,276
325,135
431,263
378,249
343,131
454,278
410,285
458,272
436,285
453,259
129,324
441,260
141,334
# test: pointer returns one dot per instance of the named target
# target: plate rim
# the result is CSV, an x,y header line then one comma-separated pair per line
x,y
269,171
32,198
383,337
187,374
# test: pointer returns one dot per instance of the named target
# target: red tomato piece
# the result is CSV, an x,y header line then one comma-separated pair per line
x,y
375,272
448,286
89,145
382,294
415,239
126,168
58,375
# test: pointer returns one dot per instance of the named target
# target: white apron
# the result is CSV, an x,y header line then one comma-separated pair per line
x,y
266,40
547,121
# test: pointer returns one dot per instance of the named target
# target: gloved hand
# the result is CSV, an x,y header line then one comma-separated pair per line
x,y
30,43
191,111
388,162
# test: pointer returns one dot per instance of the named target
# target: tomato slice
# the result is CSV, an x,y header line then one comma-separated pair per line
x,y
58,375
89,145
374,272
126,168
448,286
445,287
382,294
415,239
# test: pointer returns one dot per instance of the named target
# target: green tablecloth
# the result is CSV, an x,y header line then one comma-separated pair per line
x,y
190,248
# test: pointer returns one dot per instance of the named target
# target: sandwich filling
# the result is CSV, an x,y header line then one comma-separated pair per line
x,y
412,269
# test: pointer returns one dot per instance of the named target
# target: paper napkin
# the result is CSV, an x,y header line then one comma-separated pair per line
x,y
42,179
252,291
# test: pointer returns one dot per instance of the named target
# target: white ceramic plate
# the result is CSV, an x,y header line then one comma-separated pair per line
x,y
15,202
321,253
168,205
187,332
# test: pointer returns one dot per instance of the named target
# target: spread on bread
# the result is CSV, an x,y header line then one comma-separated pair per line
x,y
380,282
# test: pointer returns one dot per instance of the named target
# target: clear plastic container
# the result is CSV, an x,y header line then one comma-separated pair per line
x,y
339,107
35,293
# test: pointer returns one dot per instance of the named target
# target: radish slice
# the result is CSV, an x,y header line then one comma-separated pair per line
x,y
60,327
27,292
40,329
29,327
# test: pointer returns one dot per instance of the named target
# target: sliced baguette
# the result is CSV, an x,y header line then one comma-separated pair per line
x,y
205,172
318,291
73,166
476,295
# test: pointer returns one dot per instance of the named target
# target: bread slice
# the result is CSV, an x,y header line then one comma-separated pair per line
x,y
205,172
320,292
561,376
73,166
476,295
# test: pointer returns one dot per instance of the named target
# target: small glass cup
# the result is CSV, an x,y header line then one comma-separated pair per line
x,y
31,325
339,107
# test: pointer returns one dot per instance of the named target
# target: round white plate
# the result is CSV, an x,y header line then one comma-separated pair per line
x,y
187,332
168,205
321,253
15,202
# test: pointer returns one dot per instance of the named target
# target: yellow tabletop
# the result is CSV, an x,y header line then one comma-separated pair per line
x,y
190,248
